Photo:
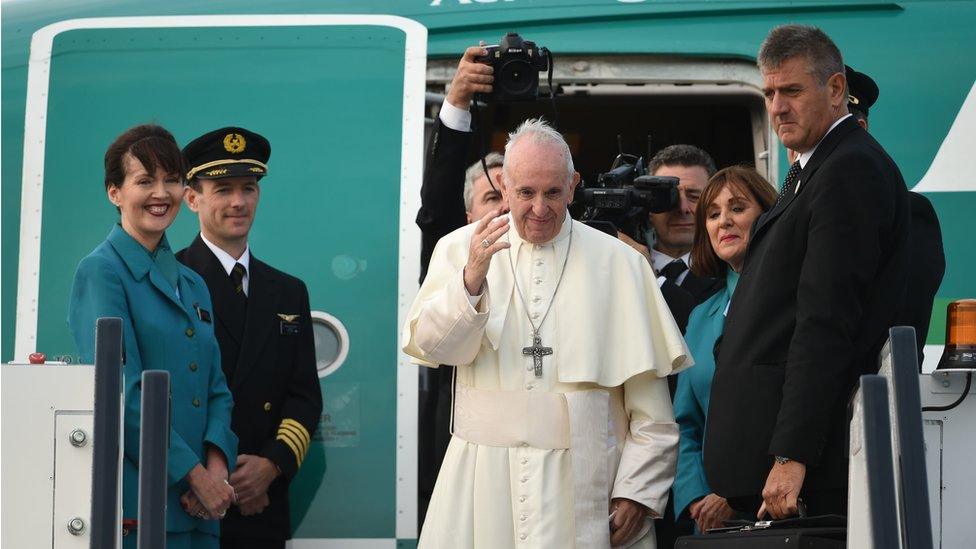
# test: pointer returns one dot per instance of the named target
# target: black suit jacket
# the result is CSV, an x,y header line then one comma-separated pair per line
x,y
701,288
270,368
822,280
442,193
680,301
925,270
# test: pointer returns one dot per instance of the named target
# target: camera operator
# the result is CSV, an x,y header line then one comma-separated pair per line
x,y
671,236
674,230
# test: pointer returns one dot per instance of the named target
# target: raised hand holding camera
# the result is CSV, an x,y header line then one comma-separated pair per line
x,y
471,77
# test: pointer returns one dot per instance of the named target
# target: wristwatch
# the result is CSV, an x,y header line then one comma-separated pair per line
x,y
782,460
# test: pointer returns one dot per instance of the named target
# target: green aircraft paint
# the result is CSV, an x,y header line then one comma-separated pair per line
x,y
335,209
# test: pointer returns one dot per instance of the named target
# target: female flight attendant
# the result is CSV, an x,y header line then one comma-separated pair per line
x,y
167,324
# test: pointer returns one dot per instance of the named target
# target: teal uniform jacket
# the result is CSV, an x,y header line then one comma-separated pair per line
x,y
161,332
691,397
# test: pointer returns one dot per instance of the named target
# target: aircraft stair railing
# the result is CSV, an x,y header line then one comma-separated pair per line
x,y
107,435
153,443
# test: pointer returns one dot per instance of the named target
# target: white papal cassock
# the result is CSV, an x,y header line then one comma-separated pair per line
x,y
534,461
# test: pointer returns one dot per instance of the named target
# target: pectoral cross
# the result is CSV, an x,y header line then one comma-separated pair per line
x,y
537,351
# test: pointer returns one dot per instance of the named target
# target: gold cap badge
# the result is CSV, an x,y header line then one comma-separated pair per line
x,y
234,143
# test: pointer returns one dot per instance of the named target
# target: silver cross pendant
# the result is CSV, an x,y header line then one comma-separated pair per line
x,y
537,351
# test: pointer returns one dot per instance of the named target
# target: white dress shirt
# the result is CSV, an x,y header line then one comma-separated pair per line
x,y
227,261
457,119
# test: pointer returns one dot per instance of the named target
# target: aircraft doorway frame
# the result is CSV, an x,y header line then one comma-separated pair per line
x,y
661,75
415,58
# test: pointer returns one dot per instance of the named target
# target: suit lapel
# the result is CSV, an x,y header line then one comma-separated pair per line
x,y
262,301
805,179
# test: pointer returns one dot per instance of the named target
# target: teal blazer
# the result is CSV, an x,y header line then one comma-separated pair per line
x,y
162,331
691,397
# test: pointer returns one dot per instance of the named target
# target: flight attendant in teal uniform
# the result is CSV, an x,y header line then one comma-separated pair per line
x,y
733,199
167,324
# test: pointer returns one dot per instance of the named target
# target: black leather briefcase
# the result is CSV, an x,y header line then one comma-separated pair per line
x,y
821,532
801,538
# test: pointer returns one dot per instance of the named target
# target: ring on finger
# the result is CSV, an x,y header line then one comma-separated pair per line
x,y
485,243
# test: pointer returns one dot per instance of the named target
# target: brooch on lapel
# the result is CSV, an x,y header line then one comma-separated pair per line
x,y
288,325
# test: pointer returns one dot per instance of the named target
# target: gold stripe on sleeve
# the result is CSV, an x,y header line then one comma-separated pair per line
x,y
301,429
285,430
287,438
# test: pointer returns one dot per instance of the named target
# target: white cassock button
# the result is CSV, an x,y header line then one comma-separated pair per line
x,y
536,299
538,263
529,368
538,280
528,387
522,536
535,316
522,499
524,461
524,445
524,479
522,518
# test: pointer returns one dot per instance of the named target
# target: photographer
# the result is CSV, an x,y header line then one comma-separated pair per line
x,y
450,198
442,206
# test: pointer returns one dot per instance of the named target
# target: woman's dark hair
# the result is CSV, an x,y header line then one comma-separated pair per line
x,y
151,145
747,181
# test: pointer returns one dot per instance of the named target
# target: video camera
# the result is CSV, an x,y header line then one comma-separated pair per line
x,y
517,65
624,195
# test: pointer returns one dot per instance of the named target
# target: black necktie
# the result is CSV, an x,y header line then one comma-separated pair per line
x,y
237,276
789,184
673,270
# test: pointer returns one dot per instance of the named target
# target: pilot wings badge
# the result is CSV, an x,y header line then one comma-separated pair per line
x,y
287,318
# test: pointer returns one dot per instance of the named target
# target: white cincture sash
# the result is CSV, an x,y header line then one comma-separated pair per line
x,y
577,421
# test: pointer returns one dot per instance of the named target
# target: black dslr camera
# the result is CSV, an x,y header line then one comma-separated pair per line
x,y
624,196
517,65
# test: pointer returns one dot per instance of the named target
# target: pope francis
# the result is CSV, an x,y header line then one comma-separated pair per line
x,y
563,433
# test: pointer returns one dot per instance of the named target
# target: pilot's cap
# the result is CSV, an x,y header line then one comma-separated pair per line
x,y
862,92
227,152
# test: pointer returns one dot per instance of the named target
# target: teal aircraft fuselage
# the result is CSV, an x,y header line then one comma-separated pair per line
x,y
339,88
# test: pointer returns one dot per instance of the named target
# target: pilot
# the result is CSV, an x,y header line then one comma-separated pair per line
x,y
927,266
264,329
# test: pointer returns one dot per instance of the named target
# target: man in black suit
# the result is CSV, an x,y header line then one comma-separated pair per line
x,y
449,198
821,284
672,234
264,329
927,256
442,205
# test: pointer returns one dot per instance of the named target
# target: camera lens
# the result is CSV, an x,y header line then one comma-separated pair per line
x,y
517,77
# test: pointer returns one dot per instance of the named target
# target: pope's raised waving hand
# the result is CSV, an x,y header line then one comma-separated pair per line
x,y
484,244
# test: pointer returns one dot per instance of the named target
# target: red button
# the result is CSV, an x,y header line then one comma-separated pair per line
x,y
36,358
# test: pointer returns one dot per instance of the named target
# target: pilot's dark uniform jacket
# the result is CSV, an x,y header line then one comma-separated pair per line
x,y
264,330
927,265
